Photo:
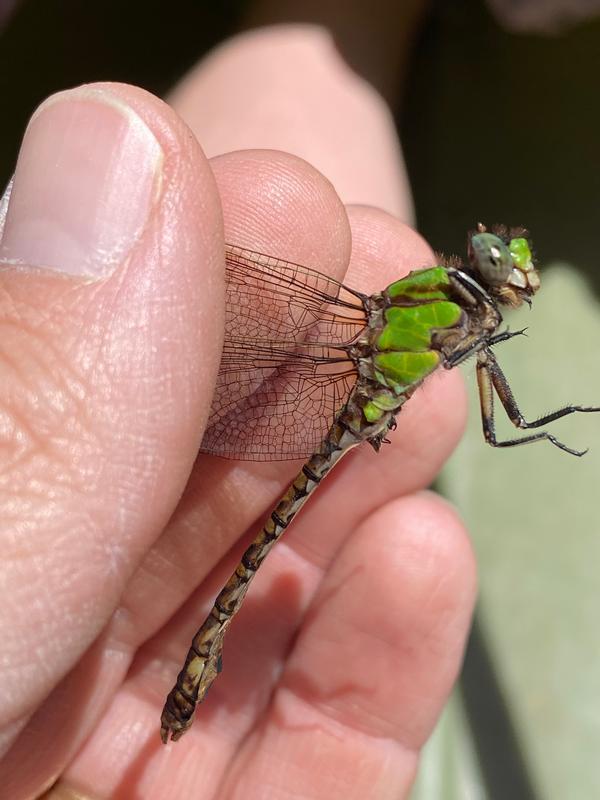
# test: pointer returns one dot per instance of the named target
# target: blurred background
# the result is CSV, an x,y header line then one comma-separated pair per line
x,y
498,111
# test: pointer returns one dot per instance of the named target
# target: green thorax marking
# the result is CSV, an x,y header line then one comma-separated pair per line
x,y
422,284
403,354
409,328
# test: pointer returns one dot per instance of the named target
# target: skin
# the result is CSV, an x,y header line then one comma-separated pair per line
x,y
340,662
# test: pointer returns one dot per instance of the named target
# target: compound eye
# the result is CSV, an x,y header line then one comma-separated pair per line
x,y
491,258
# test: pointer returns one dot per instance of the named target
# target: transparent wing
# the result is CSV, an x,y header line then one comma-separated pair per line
x,y
285,369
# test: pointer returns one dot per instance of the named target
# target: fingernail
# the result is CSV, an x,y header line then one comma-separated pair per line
x,y
87,177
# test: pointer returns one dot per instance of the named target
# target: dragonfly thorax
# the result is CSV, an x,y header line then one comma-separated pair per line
x,y
439,316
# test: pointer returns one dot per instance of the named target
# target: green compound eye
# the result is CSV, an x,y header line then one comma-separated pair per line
x,y
491,258
521,254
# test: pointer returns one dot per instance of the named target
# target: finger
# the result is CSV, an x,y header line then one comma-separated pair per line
x,y
378,651
288,88
377,654
115,229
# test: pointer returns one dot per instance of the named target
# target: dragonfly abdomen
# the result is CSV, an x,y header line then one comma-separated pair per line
x,y
203,661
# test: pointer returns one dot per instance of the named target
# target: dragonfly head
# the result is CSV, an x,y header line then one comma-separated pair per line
x,y
502,261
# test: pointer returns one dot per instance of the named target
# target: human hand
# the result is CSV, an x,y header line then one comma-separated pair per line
x,y
115,539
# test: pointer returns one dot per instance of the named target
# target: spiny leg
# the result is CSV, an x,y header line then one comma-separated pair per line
x,y
490,378
472,344
506,335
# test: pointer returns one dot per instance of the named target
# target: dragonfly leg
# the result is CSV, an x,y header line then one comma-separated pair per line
x,y
472,345
506,335
490,378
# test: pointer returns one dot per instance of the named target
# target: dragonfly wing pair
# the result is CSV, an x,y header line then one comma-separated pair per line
x,y
285,369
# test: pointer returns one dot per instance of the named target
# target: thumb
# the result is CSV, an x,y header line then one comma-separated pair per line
x,y
110,278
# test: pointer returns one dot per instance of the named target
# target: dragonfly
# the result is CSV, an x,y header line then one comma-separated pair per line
x,y
312,368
